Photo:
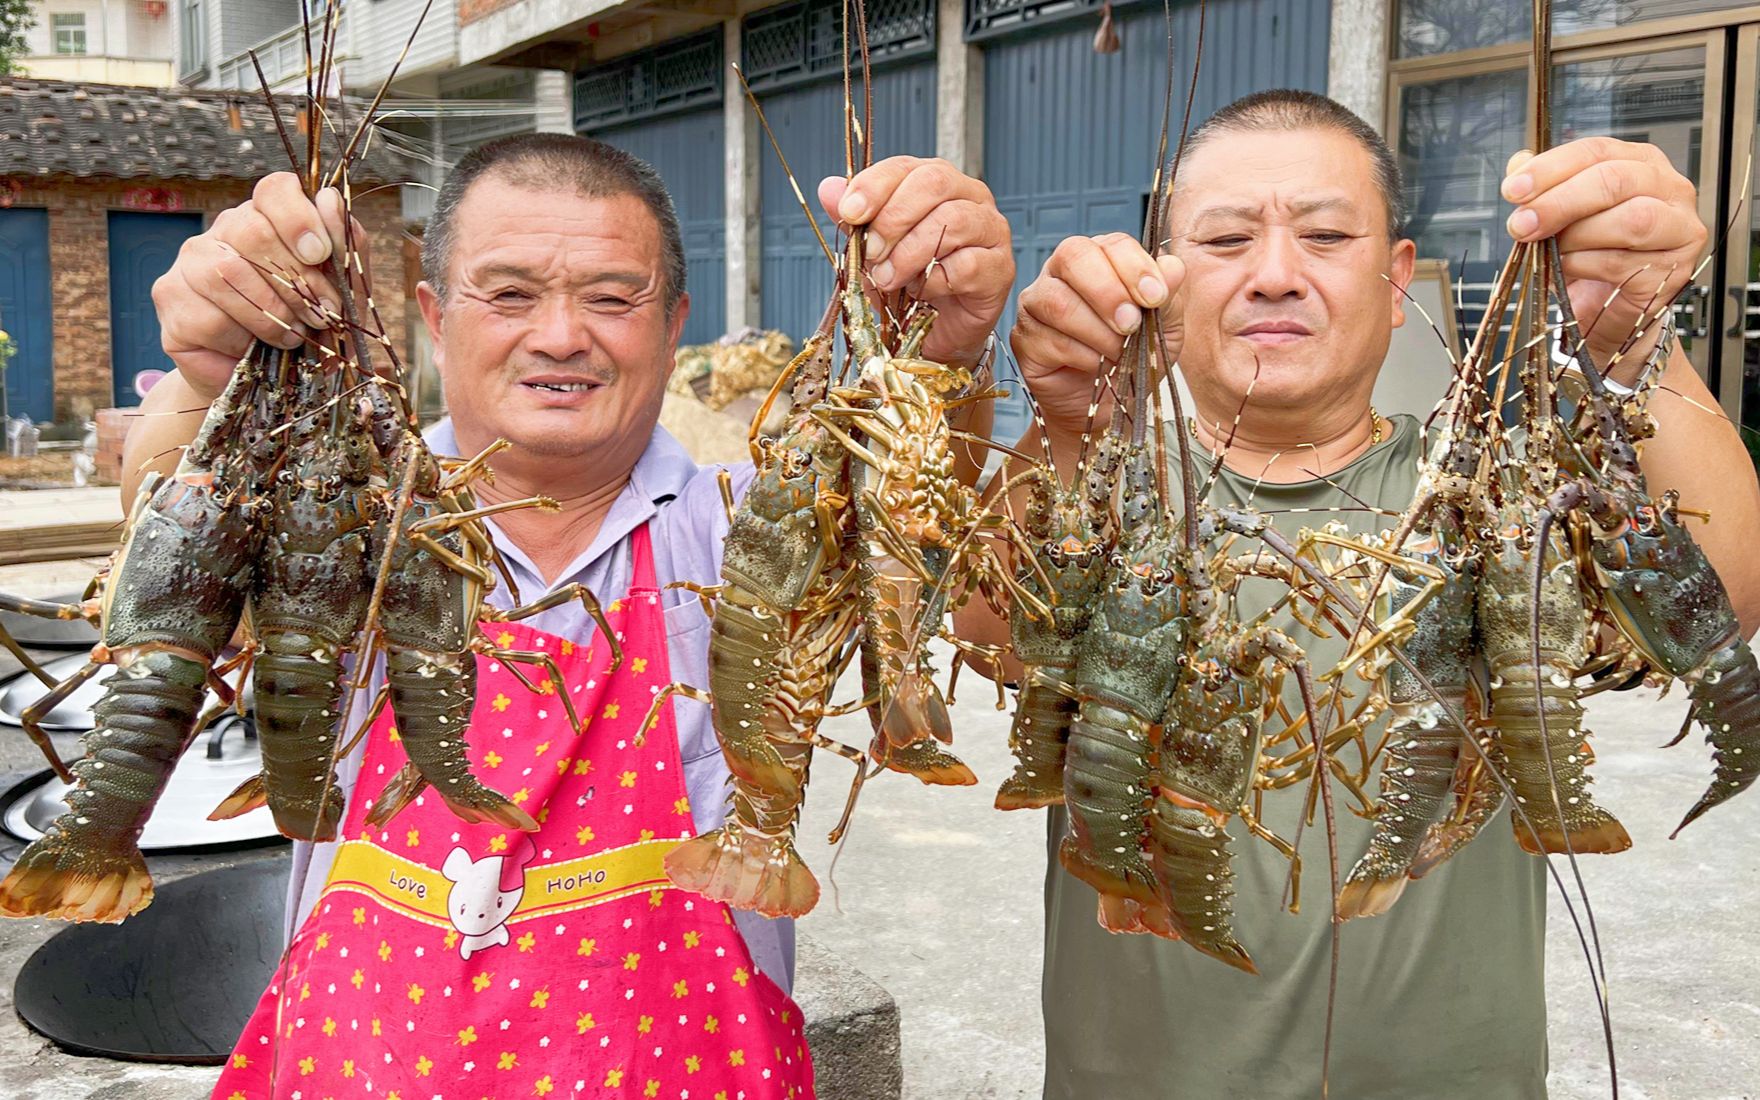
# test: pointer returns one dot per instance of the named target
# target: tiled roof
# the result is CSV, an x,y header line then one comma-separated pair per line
x,y
66,128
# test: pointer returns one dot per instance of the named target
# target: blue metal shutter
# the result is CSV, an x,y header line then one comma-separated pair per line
x,y
24,312
808,122
686,149
142,248
1070,134
664,106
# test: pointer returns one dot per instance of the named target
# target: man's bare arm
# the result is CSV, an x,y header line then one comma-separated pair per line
x,y
1698,453
170,417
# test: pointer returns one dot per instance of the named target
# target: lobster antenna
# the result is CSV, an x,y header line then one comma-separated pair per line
x,y
793,184
385,85
867,134
1542,60
1162,203
1228,443
275,113
1323,782
305,30
849,147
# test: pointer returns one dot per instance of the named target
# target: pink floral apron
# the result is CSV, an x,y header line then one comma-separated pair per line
x,y
453,960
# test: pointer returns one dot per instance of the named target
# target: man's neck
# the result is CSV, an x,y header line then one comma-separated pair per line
x,y
1288,446
552,540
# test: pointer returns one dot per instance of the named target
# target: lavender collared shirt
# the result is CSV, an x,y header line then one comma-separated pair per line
x,y
681,502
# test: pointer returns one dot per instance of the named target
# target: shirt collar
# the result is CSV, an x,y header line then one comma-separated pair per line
x,y
659,475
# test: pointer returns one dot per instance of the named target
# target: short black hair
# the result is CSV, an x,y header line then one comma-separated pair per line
x,y
1283,109
555,162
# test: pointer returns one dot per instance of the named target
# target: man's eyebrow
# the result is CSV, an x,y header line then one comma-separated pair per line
x,y
635,280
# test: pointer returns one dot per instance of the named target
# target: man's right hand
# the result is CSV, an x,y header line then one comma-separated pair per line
x,y
220,294
1077,314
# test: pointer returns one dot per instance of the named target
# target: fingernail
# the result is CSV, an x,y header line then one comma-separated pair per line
x,y
311,248
291,340
853,209
1516,188
1522,223
1126,318
1152,289
882,275
331,309
876,247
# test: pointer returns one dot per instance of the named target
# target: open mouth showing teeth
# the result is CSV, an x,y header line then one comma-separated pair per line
x,y
564,387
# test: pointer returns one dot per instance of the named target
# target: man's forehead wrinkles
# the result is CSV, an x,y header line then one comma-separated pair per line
x,y
1274,207
591,271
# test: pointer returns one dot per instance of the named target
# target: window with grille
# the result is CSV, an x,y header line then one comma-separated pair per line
x,y
667,78
70,32
990,18
803,41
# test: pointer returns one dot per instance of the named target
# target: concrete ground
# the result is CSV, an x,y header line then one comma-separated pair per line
x,y
939,897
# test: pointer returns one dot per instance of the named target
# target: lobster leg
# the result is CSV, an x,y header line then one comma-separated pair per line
x,y
667,692
553,683
33,716
566,594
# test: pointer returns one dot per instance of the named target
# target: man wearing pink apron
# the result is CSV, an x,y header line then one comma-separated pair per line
x,y
433,958
443,955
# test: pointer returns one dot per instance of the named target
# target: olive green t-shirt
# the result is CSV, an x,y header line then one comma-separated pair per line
x,y
1441,998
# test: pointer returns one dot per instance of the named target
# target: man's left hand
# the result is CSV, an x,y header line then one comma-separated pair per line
x,y
926,212
1628,228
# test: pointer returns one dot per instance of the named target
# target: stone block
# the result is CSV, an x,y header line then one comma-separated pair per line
x,y
852,1026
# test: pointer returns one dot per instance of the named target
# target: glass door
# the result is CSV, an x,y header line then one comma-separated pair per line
x,y
1654,92
1738,385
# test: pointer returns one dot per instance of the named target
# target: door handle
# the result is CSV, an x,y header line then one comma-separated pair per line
x,y
1694,309
1738,297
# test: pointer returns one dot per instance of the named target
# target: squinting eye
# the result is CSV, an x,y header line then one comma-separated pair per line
x,y
1327,238
1226,242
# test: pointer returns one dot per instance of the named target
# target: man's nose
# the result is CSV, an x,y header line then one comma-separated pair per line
x,y
1277,271
559,329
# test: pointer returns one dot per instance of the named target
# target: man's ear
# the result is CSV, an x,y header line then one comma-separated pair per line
x,y
1405,259
680,314
429,302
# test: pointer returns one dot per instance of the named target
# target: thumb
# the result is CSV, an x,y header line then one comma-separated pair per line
x,y
1173,311
831,190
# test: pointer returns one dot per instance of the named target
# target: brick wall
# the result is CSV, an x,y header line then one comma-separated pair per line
x,y
79,269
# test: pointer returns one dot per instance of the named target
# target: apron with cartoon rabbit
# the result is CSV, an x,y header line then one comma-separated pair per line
x,y
454,960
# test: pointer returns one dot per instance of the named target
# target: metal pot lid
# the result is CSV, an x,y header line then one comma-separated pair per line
x,y
34,632
180,820
74,712
175,983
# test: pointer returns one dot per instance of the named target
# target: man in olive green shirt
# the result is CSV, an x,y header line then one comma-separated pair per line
x,y
1286,266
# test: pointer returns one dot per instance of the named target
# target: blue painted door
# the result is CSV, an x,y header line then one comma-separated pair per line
x,y
24,312
808,122
1070,134
686,149
142,248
